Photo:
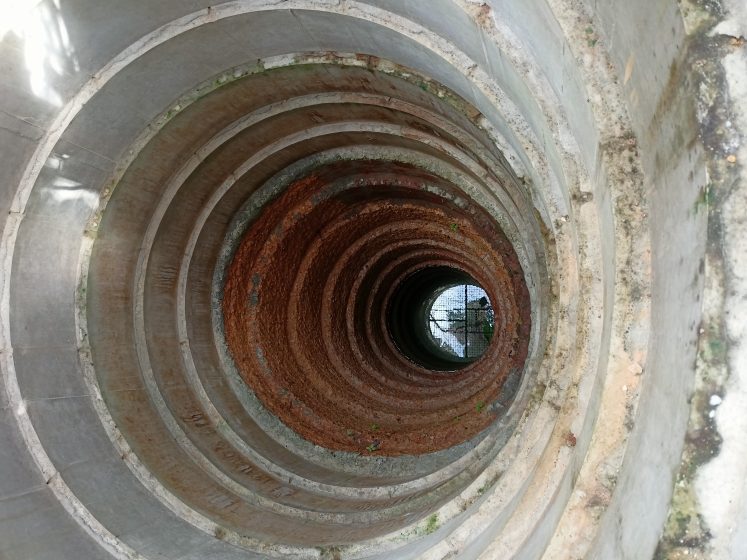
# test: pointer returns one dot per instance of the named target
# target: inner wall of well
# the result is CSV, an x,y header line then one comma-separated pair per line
x,y
544,96
160,336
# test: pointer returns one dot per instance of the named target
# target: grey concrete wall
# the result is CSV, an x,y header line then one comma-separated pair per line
x,y
595,133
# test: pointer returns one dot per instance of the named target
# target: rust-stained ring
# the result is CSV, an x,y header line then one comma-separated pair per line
x,y
305,315
206,415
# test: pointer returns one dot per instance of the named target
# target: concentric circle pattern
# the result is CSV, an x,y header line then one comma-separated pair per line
x,y
306,299
241,211
259,302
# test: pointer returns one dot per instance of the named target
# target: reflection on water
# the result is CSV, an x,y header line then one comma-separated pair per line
x,y
461,320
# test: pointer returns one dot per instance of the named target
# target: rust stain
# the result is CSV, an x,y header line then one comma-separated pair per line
x,y
305,298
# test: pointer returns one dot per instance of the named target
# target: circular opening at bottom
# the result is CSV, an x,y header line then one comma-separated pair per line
x,y
461,321
441,318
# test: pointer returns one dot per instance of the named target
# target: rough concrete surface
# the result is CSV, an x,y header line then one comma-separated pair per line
x,y
220,218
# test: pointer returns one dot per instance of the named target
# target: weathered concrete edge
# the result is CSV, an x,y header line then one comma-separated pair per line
x,y
709,503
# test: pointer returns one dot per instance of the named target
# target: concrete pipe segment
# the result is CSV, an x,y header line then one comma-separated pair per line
x,y
224,226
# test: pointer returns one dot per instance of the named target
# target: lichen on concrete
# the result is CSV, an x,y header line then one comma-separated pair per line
x,y
693,528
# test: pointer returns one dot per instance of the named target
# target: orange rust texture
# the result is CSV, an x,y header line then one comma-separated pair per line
x,y
304,309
